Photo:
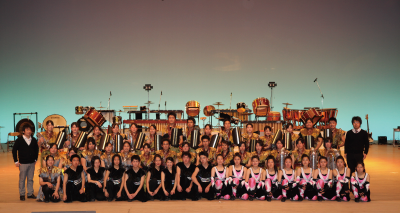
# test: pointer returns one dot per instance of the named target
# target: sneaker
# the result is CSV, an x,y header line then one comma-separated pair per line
x,y
22,198
338,199
357,200
320,198
300,198
269,199
283,199
32,196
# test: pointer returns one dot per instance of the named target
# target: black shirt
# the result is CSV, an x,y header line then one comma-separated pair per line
x,y
74,175
356,143
99,176
204,173
156,174
186,172
135,176
169,177
116,174
23,153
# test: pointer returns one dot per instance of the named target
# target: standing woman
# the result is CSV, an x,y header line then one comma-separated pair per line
x,y
49,180
152,137
115,176
126,156
154,179
254,180
342,179
74,182
219,175
271,180
244,155
106,157
310,130
299,152
95,176
169,180
267,138
184,171
304,180
323,180
360,181
146,159
134,181
202,178
287,180
89,153
96,135
236,173
185,148
262,155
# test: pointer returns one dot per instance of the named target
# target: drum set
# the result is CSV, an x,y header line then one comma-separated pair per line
x,y
320,117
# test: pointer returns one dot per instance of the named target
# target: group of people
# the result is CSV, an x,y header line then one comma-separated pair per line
x,y
185,172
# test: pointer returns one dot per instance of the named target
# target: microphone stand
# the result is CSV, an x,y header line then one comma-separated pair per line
x,y
322,96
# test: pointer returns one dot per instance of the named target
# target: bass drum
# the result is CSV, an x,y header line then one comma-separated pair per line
x,y
261,106
192,108
58,120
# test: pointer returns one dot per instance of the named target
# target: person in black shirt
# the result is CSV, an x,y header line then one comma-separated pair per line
x,y
154,179
74,182
184,171
356,145
114,184
25,154
202,178
168,180
95,176
134,181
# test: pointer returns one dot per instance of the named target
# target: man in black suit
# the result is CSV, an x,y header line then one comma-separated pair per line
x,y
356,145
25,154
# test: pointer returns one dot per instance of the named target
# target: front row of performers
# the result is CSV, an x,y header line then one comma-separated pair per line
x,y
204,173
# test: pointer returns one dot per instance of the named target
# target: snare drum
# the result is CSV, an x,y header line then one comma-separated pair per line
x,y
261,106
79,110
94,117
192,108
274,116
241,107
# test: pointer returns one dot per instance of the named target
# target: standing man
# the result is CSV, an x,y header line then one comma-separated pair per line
x,y
356,145
167,130
25,154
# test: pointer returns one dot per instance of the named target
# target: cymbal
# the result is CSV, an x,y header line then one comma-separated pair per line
x,y
149,102
203,118
100,107
120,111
218,104
287,104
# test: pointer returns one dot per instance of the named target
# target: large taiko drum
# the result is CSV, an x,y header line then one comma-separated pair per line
x,y
261,106
192,108
331,112
208,110
274,116
58,120
94,117
311,113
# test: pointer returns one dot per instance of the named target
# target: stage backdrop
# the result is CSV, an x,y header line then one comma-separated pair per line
x,y
56,55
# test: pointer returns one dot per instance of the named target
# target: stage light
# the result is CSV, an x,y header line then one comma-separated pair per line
x,y
147,87
272,84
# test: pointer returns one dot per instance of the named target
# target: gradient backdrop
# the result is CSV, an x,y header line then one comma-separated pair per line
x,y
56,55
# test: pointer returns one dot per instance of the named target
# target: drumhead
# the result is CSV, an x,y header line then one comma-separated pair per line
x,y
58,120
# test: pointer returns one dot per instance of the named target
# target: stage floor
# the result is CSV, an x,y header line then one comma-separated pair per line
x,y
382,164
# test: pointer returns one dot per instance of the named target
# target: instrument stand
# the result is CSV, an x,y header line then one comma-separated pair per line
x,y
32,113
271,99
322,96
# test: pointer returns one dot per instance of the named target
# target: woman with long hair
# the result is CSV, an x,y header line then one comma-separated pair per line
x,y
95,180
287,180
342,179
360,183
304,179
154,179
236,174
113,187
49,180
323,181
169,180
271,180
219,176
254,180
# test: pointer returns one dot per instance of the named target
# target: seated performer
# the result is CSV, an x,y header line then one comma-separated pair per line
x,y
328,147
146,159
113,187
225,134
166,132
49,180
169,180
106,157
271,180
207,131
236,173
287,180
96,134
210,151
201,177
134,181
360,183
267,138
184,172
133,136
126,156
293,136
166,151
298,153
73,137
244,155
323,181
310,130
249,135
57,158
89,153
152,137
338,135
254,180
115,132
219,183
74,182
226,155
191,125
277,153
185,148
304,179
45,139
262,155
95,176
154,179
68,161
342,179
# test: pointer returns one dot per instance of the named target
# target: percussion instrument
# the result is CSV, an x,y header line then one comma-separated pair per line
x,y
261,106
252,146
274,116
148,102
203,118
117,120
208,110
21,123
195,140
309,142
328,113
103,141
288,114
160,124
259,125
241,107
218,104
282,157
234,113
297,113
118,143
81,141
311,113
140,141
192,108
83,125
157,142
236,135
94,117
327,133
214,141
58,120
61,138
288,141
277,136
79,110
286,104
175,135
88,108
313,159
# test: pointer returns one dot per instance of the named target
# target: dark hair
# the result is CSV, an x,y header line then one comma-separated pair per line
x,y
191,119
255,157
96,127
53,144
225,142
289,124
75,156
304,156
90,140
279,140
322,158
203,153
205,137
153,165
327,140
112,161
26,126
173,164
356,118
249,124
227,120
290,158
300,139
208,125
135,157
360,163
260,142
154,126
94,158
172,113
49,122
308,119
332,119
270,157
48,157
146,144
114,124
74,124
186,154
166,139
186,143
237,155
126,142
267,127
341,158
241,143
108,143
73,149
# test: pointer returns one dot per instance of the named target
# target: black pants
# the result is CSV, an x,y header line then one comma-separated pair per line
x,y
208,195
94,192
48,194
353,159
132,188
153,185
113,190
72,192
185,183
